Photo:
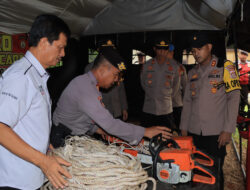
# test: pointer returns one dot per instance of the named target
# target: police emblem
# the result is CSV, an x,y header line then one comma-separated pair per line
x,y
121,66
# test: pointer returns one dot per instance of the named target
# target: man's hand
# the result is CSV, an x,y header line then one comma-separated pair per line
x,y
51,167
102,133
184,133
155,130
224,138
124,115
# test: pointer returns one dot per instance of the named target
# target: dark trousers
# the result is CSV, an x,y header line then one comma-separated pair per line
x,y
243,96
209,145
149,120
177,116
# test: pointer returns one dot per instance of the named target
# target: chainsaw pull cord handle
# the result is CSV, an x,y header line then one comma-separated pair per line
x,y
203,179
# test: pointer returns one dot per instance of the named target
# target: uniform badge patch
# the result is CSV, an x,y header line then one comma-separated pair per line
x,y
213,63
167,84
170,68
195,76
193,93
149,76
41,90
169,77
150,67
213,90
231,70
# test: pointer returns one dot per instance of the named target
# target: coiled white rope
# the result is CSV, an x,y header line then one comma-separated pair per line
x,y
98,166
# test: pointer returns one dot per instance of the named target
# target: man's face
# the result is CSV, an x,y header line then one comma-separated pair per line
x,y
161,52
201,55
54,52
110,75
243,57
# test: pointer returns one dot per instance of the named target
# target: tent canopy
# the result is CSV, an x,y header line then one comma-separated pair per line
x,y
93,17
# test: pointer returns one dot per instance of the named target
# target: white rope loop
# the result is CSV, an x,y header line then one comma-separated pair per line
x,y
99,166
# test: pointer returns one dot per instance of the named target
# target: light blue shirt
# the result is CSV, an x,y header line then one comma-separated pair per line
x,y
25,107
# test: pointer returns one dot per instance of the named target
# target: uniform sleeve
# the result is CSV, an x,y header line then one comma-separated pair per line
x,y
176,82
183,78
233,100
123,97
186,111
90,105
143,76
14,99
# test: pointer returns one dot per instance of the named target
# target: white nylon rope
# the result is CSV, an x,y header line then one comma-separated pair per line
x,y
99,166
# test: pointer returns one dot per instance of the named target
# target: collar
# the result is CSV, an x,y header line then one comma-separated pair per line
x,y
32,59
92,78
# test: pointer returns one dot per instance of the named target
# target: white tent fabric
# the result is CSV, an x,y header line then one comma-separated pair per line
x,y
16,16
156,15
91,17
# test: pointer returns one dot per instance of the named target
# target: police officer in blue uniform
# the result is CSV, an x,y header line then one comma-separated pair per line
x,y
25,107
80,107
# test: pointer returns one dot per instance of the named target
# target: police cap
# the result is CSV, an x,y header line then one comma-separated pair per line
x,y
106,43
243,52
200,39
161,43
113,57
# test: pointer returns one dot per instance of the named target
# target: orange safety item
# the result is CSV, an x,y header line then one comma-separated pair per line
x,y
183,158
186,142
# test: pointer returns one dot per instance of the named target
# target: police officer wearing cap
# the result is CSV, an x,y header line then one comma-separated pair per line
x,y
158,77
244,68
80,107
114,99
177,99
211,100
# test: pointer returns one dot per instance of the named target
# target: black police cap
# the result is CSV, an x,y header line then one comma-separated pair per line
x,y
200,39
113,57
161,43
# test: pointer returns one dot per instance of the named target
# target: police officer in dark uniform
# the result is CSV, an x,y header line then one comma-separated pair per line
x,y
211,101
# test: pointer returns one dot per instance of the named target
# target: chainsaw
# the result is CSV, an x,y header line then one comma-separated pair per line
x,y
176,165
141,151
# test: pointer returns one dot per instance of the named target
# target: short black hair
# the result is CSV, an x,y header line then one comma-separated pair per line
x,y
98,61
47,25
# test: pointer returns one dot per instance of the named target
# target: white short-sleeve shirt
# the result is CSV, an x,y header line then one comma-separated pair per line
x,y
25,107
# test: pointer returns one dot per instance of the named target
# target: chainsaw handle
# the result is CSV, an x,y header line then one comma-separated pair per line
x,y
209,162
203,179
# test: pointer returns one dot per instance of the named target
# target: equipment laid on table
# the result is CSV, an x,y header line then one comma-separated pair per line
x,y
175,165
173,160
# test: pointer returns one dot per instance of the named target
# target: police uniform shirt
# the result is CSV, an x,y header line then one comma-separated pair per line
x,y
25,107
180,86
80,108
158,80
115,100
208,108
